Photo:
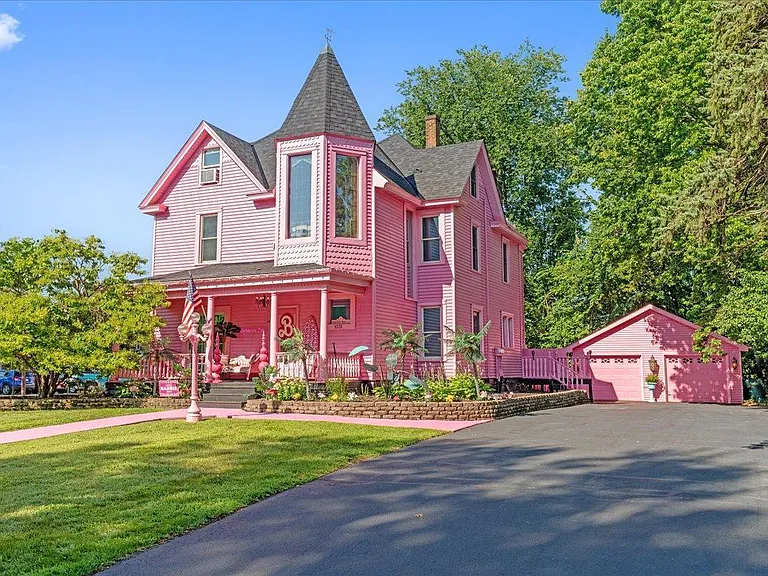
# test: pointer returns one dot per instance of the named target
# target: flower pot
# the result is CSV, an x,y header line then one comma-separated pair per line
x,y
651,386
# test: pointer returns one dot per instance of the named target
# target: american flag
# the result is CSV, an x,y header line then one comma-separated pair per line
x,y
192,303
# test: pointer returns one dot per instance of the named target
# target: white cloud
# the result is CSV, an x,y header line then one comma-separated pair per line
x,y
9,36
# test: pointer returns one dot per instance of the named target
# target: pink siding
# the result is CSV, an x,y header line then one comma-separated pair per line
x,y
393,309
342,254
660,336
247,232
485,290
435,280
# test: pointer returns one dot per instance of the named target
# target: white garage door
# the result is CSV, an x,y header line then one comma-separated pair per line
x,y
689,379
615,378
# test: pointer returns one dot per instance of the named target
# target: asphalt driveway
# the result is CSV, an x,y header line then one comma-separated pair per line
x,y
628,489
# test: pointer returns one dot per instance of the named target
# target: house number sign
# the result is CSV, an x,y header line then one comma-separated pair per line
x,y
286,326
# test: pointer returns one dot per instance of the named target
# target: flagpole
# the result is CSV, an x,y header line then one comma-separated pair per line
x,y
188,332
193,412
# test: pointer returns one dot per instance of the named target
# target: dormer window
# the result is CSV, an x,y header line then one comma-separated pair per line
x,y
347,196
210,169
300,196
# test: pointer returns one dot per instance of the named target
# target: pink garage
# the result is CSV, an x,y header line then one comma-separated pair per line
x,y
618,358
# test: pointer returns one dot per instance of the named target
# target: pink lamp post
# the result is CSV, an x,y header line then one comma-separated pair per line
x,y
191,335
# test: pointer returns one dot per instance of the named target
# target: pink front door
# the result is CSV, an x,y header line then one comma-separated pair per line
x,y
689,379
615,378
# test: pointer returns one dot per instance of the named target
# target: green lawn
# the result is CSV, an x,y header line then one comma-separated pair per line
x,y
34,418
73,503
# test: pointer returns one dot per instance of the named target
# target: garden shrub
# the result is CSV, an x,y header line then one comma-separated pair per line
x,y
287,389
336,388
460,387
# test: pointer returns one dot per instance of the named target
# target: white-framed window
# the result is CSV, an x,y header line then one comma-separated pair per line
x,y
210,166
299,198
507,331
209,238
473,182
341,309
409,277
432,328
430,239
504,261
475,248
347,197
477,320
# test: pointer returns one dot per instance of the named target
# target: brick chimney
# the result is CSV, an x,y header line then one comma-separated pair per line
x,y
432,130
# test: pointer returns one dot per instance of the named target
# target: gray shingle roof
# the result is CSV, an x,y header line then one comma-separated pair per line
x,y
239,270
440,172
326,103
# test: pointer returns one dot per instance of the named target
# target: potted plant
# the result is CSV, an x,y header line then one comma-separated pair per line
x,y
651,380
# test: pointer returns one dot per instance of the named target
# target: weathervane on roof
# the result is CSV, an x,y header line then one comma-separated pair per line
x,y
328,36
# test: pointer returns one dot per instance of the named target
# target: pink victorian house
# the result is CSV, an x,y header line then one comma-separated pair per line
x,y
320,227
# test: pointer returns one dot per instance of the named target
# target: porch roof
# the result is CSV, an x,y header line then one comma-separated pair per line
x,y
263,274
237,270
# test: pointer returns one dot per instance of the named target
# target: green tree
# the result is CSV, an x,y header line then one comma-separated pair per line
x,y
402,343
468,345
513,103
297,349
66,305
726,201
639,129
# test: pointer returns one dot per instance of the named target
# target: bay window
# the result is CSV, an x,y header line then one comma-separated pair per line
x,y
347,196
299,196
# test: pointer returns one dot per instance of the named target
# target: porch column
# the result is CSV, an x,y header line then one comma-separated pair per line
x,y
273,345
324,304
210,342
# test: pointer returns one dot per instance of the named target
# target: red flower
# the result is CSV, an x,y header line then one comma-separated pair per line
x,y
396,398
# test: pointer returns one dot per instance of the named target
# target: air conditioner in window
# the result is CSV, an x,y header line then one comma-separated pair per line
x,y
209,176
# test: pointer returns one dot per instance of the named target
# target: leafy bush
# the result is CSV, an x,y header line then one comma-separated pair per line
x,y
336,387
264,381
460,387
290,389
134,390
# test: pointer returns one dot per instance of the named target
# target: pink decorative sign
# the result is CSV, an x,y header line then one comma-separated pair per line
x,y
169,388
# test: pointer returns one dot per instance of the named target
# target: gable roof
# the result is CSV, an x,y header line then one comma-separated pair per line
x,y
437,173
641,313
244,151
326,103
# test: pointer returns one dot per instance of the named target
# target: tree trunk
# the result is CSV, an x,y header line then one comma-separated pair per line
x,y
48,384
477,380
306,375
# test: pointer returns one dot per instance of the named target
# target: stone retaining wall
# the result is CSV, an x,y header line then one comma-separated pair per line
x,y
80,403
486,410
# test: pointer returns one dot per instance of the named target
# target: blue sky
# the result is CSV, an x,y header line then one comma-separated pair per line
x,y
97,98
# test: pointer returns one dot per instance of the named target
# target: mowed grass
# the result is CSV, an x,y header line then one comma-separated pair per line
x,y
19,420
74,503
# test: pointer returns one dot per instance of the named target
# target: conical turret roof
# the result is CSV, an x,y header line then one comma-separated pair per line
x,y
326,103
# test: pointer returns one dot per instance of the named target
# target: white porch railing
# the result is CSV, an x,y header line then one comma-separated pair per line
x,y
339,364
164,368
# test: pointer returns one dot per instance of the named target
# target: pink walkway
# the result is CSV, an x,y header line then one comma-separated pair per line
x,y
46,431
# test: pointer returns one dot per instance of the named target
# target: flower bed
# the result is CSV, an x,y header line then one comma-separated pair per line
x,y
79,402
403,410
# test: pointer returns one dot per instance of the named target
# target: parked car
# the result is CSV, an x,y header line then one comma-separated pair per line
x,y
79,382
10,382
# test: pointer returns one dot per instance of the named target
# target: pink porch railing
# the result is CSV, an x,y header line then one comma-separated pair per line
x,y
339,364
554,364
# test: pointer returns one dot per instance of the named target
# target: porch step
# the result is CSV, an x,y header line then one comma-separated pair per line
x,y
220,404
